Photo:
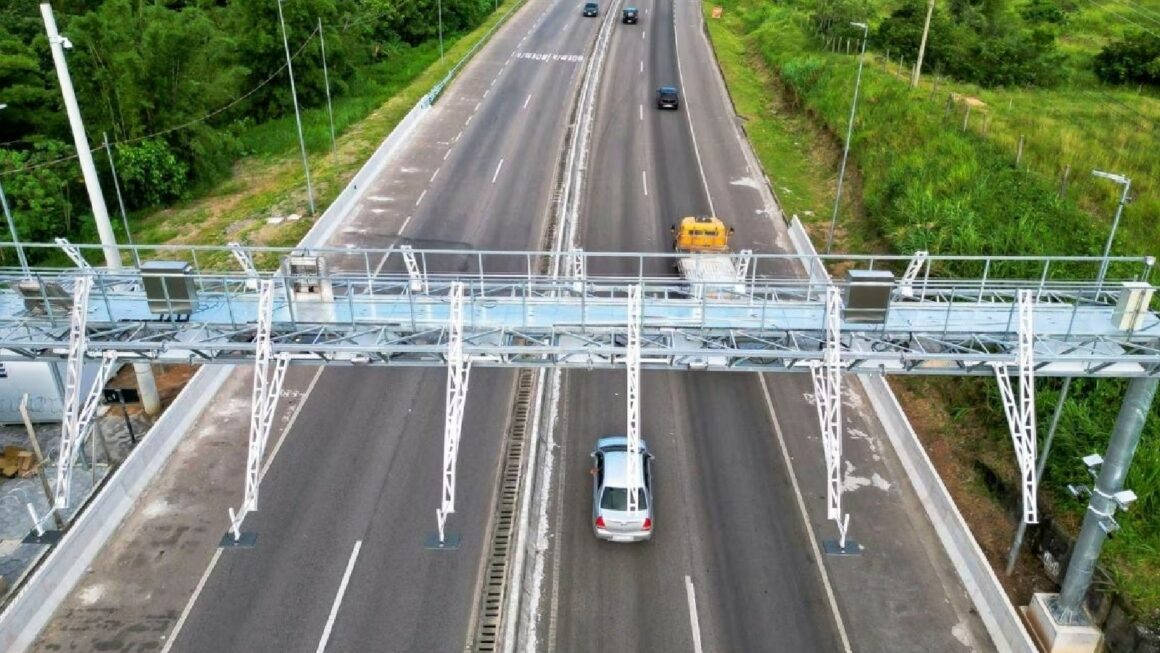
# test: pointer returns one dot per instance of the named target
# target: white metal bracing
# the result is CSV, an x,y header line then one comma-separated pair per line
x,y
79,431
458,375
827,377
77,344
632,362
744,261
74,254
578,268
242,256
418,280
906,284
1020,410
264,399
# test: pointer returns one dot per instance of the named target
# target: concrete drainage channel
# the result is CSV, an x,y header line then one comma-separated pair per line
x,y
489,624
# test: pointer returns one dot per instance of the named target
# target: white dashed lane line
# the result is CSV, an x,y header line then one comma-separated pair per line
x,y
640,108
432,179
527,99
497,169
421,196
447,154
644,182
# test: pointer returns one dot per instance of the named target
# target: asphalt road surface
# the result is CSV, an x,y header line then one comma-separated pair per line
x,y
729,567
361,467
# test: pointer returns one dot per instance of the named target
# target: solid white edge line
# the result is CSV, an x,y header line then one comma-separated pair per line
x,y
689,117
421,196
694,621
644,182
805,516
172,636
338,599
497,169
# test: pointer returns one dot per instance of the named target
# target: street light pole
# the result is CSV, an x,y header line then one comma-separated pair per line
x,y
92,183
922,46
440,4
12,226
1127,184
849,133
297,115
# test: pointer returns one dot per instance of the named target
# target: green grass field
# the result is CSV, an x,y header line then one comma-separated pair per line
x,y
926,181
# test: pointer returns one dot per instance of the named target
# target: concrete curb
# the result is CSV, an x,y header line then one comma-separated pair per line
x,y
999,616
34,604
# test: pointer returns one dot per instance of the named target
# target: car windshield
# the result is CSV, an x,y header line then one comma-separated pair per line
x,y
616,498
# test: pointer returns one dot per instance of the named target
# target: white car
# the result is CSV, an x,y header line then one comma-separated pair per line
x,y
611,519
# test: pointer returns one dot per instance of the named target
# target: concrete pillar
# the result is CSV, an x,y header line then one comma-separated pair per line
x,y
147,387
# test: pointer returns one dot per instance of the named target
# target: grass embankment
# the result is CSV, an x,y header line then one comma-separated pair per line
x,y
925,182
270,182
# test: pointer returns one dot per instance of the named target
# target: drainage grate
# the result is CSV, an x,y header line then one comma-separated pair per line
x,y
489,625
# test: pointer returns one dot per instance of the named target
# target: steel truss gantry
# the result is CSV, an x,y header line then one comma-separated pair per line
x,y
1020,410
407,310
458,375
264,399
632,363
827,378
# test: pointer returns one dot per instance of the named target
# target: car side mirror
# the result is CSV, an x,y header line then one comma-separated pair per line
x,y
731,231
673,228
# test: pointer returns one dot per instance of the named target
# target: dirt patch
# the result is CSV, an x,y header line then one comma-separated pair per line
x,y
953,443
171,379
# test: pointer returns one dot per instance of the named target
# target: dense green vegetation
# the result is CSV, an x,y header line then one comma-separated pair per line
x,y
933,176
184,89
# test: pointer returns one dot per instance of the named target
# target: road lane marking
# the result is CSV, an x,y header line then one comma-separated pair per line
x,y
405,223
338,599
797,492
693,620
526,100
457,136
447,154
644,182
689,117
642,34
469,120
217,554
642,65
432,179
421,196
477,105
640,110
493,177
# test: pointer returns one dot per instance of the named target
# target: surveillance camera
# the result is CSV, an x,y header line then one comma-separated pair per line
x,y
65,43
1093,460
360,359
1078,491
1124,498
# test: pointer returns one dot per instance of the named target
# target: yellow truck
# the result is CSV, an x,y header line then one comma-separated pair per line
x,y
708,263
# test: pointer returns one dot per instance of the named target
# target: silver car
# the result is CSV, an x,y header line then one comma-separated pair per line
x,y
611,519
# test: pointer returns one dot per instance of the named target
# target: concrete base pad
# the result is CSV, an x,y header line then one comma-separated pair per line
x,y
1054,637
450,542
835,548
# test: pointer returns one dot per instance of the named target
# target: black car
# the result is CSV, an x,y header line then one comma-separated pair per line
x,y
591,9
668,97
629,15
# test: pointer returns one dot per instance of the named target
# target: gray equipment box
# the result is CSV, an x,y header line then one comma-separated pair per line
x,y
169,287
868,296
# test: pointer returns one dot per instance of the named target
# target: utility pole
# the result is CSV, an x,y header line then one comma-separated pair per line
x,y
440,4
326,80
84,154
922,46
1107,496
145,381
297,115
849,133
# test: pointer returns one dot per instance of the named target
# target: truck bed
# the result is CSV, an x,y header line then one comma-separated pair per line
x,y
713,272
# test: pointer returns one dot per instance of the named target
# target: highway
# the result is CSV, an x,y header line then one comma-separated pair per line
x,y
361,465
728,537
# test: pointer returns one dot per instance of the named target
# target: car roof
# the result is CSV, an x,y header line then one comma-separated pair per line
x,y
630,8
667,89
616,462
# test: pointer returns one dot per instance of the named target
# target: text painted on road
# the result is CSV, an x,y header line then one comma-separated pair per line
x,y
543,56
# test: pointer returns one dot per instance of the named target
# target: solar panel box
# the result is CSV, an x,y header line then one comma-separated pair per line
x,y
169,287
868,296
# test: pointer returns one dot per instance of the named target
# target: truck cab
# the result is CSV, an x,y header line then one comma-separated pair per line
x,y
701,234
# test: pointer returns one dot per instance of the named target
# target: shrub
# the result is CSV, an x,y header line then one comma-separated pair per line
x,y
150,174
1135,59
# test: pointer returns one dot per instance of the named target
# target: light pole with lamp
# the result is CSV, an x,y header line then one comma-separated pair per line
x,y
297,115
1127,184
12,226
849,133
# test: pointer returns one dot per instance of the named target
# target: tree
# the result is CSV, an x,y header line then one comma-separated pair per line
x,y
1135,59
